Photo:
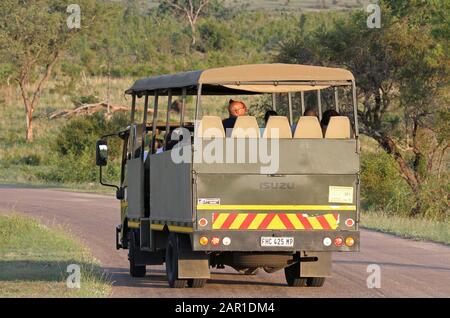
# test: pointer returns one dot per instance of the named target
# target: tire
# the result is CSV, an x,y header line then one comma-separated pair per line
x,y
196,283
315,281
172,251
292,274
135,270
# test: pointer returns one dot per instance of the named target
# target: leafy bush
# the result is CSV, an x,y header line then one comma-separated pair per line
x,y
74,149
382,187
435,197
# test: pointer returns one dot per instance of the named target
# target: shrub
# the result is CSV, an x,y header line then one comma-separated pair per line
x,y
382,187
74,149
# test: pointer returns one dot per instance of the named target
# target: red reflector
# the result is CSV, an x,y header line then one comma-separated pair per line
x,y
349,222
203,222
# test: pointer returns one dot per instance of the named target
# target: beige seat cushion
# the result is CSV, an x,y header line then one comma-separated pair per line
x,y
277,127
338,128
245,127
211,126
308,127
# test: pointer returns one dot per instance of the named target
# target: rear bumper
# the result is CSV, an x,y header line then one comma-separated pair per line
x,y
250,241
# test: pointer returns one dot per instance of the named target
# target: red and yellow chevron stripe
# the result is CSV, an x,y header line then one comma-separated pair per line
x,y
274,221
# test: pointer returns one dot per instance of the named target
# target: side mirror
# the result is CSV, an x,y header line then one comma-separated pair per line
x,y
120,194
101,154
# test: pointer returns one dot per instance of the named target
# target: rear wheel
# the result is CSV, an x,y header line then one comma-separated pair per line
x,y
315,281
135,270
292,274
172,252
196,283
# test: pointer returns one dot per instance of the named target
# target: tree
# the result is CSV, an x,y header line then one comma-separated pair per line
x,y
191,9
34,35
402,76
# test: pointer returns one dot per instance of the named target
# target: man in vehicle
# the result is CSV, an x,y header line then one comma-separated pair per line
x,y
235,109
310,112
326,119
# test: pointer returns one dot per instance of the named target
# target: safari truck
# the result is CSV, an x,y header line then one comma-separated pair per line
x,y
196,197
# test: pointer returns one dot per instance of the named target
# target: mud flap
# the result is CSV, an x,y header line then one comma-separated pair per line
x,y
319,268
193,265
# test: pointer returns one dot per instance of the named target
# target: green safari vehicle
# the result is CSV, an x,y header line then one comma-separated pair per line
x,y
195,196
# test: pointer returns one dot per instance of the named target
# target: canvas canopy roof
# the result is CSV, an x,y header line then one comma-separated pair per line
x,y
253,78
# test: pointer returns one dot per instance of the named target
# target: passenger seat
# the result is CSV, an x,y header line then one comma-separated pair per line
x,y
281,127
245,127
308,127
211,127
338,128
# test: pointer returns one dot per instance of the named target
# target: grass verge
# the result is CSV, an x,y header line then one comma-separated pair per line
x,y
411,228
34,260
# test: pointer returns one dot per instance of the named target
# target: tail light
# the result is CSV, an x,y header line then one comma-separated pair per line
x,y
204,240
215,240
338,241
349,241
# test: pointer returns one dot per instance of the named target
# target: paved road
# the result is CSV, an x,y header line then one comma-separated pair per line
x,y
408,268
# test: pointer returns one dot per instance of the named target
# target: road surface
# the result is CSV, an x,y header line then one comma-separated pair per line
x,y
408,268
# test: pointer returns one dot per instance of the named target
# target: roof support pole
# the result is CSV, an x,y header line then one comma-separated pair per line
x,y
155,120
183,106
319,104
169,103
274,101
133,107
336,99
144,124
355,108
302,100
291,115
198,104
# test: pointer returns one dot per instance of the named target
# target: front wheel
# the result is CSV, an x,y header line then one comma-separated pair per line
x,y
135,270
172,252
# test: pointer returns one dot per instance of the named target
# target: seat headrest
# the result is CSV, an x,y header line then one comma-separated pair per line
x,y
211,127
245,127
277,127
338,128
308,127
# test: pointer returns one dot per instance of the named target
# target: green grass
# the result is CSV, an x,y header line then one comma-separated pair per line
x,y
411,228
34,260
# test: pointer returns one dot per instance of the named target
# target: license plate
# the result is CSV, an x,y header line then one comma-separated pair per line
x,y
277,241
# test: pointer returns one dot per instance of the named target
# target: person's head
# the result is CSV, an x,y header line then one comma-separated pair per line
x,y
237,108
268,114
310,112
327,115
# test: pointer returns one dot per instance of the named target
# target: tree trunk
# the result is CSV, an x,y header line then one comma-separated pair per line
x,y
193,31
408,174
29,131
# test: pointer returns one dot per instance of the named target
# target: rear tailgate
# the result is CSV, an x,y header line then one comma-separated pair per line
x,y
248,207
